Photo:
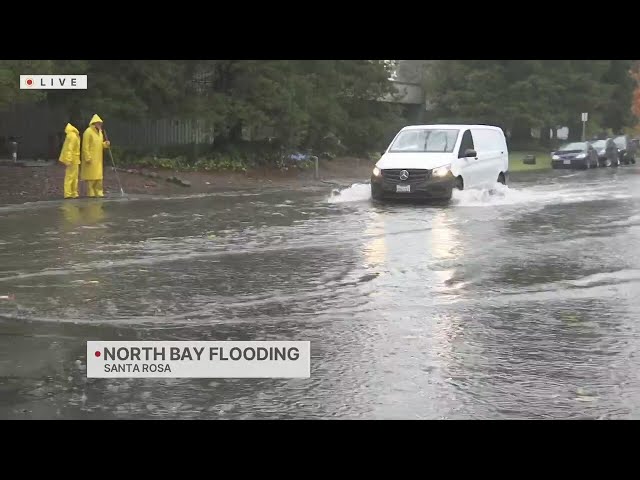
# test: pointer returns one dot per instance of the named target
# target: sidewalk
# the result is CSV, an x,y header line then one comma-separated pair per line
x,y
8,162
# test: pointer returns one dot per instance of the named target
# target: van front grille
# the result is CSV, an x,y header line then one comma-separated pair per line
x,y
392,175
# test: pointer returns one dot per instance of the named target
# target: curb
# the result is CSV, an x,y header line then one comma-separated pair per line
x,y
156,176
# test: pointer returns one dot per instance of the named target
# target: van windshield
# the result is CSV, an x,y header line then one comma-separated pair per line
x,y
425,140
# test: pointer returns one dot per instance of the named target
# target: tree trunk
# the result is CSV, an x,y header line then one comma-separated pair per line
x,y
575,132
545,138
235,133
554,138
521,133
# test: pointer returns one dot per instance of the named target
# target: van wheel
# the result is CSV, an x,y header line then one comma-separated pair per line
x,y
502,179
459,183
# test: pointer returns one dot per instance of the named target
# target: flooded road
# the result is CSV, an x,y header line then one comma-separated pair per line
x,y
520,304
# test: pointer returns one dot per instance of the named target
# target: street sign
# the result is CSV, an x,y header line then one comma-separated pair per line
x,y
585,117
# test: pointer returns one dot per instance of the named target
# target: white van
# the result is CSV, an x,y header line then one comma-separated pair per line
x,y
428,161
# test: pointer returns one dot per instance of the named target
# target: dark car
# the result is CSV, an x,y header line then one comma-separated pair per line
x,y
607,150
626,149
575,155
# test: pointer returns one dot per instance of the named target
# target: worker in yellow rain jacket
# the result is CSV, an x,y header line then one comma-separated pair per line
x,y
70,157
93,145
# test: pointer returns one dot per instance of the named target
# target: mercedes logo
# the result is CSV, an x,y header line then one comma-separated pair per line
x,y
404,175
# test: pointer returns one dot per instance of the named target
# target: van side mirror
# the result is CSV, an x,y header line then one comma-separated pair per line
x,y
470,153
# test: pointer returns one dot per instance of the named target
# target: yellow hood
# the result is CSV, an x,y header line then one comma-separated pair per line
x,y
95,119
71,129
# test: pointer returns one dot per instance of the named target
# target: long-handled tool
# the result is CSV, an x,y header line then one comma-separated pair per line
x,y
115,170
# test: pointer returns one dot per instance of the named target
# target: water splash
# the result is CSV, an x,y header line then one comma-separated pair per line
x,y
539,195
358,192
499,195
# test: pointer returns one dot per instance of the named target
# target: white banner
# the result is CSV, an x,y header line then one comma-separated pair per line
x,y
198,359
53,82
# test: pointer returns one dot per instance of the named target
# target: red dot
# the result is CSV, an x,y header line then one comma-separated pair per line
x,y
29,82
97,353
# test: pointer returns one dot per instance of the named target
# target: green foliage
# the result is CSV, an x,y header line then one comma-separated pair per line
x,y
123,88
259,111
10,71
617,109
221,163
522,94
323,105
182,163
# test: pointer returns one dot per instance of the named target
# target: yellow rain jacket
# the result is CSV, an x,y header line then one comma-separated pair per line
x,y
70,153
93,146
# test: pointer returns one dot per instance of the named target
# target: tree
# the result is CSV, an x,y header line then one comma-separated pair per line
x,y
522,94
302,101
617,113
412,71
635,106
124,88
10,71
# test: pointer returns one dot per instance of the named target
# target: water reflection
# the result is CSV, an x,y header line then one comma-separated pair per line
x,y
71,214
444,241
74,214
407,342
375,250
93,213
424,247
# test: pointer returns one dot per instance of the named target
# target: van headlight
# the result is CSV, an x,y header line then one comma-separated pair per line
x,y
442,171
555,157
581,156
376,172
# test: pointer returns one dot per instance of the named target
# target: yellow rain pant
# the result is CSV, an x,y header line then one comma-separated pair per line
x,y
94,188
70,157
71,181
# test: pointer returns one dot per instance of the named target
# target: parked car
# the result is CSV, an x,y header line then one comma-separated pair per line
x,y
626,149
429,161
575,155
607,150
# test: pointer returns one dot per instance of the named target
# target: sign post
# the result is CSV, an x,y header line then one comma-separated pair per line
x,y
585,117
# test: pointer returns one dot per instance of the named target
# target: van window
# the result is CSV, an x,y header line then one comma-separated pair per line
x,y
425,140
466,144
